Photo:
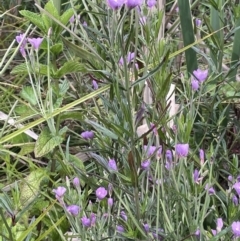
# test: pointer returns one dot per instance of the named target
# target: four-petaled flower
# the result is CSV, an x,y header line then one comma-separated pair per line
x,y
219,227
236,228
73,210
86,222
35,42
151,3
195,84
101,193
201,75
76,182
182,150
22,38
236,186
59,192
115,4
87,135
94,84
196,176
112,165
145,164
120,228
133,3
210,190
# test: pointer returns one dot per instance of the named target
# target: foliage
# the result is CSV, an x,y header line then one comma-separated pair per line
x,y
93,145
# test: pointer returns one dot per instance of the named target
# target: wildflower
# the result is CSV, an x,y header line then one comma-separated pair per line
x,y
196,177
168,165
236,228
154,129
35,42
150,149
94,84
73,210
159,151
158,236
93,218
87,135
230,178
201,156
151,3
195,84
236,186
110,202
84,24
238,178
71,20
19,38
120,228
146,227
210,190
219,227
235,200
198,22
115,4
197,233
169,156
145,164
123,215
133,3
76,182
112,165
59,192
182,150
86,222
101,193
201,75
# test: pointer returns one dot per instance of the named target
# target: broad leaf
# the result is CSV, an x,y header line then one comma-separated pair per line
x,y
69,67
28,94
66,16
35,18
23,69
46,143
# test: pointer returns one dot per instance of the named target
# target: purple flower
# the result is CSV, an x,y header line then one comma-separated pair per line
x,y
201,75
198,22
235,200
76,182
35,42
110,202
230,178
73,210
236,186
94,84
196,177
197,233
153,127
19,38
93,218
195,84
169,165
182,150
87,135
145,164
86,222
151,3
149,149
71,20
84,24
101,193
236,228
238,178
201,156
59,192
146,227
123,215
112,165
133,3
115,4
169,156
219,227
120,228
210,190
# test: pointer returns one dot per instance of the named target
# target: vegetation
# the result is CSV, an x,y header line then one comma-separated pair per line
x,y
119,120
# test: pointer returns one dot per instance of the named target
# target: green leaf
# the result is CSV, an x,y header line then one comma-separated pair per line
x,y
35,18
63,87
28,94
30,186
66,16
26,149
188,34
79,51
69,67
24,69
57,48
46,142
